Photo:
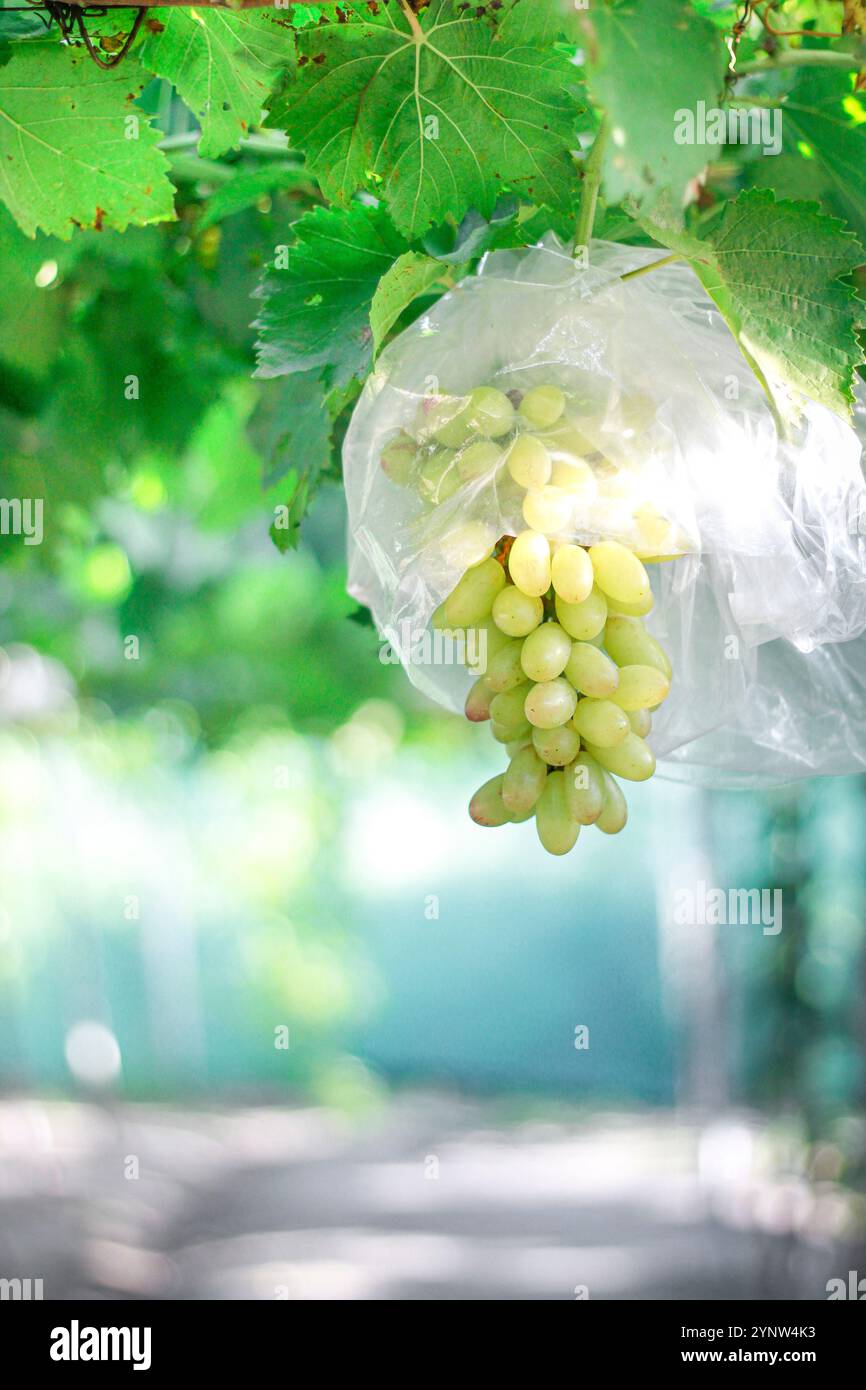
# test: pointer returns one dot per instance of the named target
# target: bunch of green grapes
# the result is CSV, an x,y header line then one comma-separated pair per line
x,y
568,674
572,677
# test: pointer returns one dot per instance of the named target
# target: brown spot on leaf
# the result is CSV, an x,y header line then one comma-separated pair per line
x,y
97,221
154,26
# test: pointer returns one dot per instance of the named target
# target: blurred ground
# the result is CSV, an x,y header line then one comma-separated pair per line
x,y
432,1199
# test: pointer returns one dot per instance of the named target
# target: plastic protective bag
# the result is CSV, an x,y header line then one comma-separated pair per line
x,y
764,609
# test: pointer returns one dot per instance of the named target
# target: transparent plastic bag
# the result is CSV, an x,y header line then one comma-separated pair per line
x,y
763,608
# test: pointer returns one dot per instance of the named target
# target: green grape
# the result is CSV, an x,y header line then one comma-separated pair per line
x,y
542,407
507,707
438,478
632,759
478,459
517,613
529,563
619,573
568,443
478,702
614,812
557,831
472,600
510,733
572,574
516,745
601,723
585,789
487,807
630,644
529,461
591,671
586,620
483,642
557,747
641,722
545,652
490,412
448,422
576,477
550,704
524,781
632,610
398,458
548,509
468,544
641,687
504,670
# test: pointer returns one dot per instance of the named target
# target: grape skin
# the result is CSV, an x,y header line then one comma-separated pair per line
x,y
619,573
557,830
572,574
529,563
524,781
640,687
545,652
550,703
517,613
558,747
601,722
586,620
529,462
472,600
591,671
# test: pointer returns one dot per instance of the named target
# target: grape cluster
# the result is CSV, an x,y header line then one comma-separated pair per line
x,y
568,674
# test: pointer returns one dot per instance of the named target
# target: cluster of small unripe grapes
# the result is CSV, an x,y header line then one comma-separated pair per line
x,y
567,673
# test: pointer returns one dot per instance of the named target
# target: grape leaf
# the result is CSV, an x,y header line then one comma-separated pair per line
x,y
773,268
437,120
74,150
246,188
408,277
317,310
224,64
826,122
646,61
290,427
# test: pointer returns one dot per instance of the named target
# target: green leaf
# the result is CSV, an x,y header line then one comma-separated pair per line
x,y
246,188
476,102
291,428
408,277
773,268
826,122
224,64
74,150
647,60
317,310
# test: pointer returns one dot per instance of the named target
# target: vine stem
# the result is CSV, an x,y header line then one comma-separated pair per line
x,y
417,31
591,184
799,57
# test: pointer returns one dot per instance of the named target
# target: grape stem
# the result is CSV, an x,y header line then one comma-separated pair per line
x,y
653,265
589,193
